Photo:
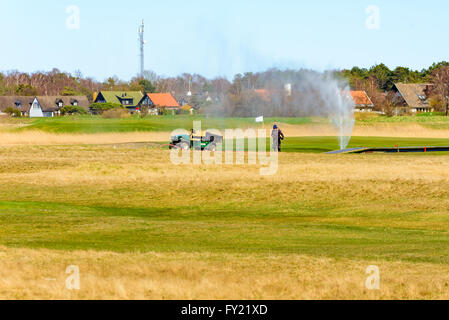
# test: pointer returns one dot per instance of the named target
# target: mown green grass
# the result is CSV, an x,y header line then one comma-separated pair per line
x,y
214,229
425,120
96,124
405,119
326,144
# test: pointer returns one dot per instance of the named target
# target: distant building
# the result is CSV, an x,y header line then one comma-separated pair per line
x,y
267,95
263,94
42,106
411,98
197,99
182,100
129,99
159,102
362,101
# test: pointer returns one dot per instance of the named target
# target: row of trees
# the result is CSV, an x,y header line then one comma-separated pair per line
x,y
379,80
49,83
386,78
56,82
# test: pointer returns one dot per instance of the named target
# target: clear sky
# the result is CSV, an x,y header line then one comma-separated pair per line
x,y
216,38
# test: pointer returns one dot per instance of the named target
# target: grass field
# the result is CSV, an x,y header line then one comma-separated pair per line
x,y
96,124
140,227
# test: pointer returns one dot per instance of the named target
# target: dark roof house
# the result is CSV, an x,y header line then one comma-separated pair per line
x,y
49,105
55,103
412,97
128,99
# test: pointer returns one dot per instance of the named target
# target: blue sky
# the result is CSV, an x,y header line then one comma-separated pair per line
x,y
220,38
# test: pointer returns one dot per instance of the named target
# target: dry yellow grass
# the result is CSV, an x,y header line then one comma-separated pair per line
x,y
372,130
344,179
40,274
45,138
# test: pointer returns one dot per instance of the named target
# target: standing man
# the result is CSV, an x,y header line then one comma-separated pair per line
x,y
277,136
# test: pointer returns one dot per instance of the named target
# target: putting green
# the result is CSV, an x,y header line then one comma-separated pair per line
x,y
326,144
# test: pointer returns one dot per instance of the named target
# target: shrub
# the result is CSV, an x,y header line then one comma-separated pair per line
x,y
144,111
167,112
116,113
99,108
13,112
70,110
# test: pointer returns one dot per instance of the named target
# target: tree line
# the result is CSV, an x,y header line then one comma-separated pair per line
x,y
379,80
56,82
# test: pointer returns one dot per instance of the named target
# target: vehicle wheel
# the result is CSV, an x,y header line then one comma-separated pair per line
x,y
184,146
212,147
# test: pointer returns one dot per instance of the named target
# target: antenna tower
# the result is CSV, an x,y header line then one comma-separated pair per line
x,y
142,43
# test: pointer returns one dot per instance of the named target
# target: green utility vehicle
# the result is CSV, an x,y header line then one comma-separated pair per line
x,y
196,142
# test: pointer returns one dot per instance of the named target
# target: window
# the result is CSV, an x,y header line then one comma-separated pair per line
x,y
75,103
60,104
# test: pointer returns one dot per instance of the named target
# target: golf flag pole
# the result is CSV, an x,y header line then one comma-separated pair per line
x,y
260,120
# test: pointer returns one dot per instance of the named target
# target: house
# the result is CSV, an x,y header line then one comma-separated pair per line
x,y
51,105
159,102
263,94
267,95
42,106
362,101
129,99
182,100
197,99
411,98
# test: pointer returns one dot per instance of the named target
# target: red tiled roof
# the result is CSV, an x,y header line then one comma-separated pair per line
x,y
262,94
165,100
361,98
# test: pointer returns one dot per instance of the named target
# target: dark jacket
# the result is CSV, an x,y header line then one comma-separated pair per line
x,y
279,134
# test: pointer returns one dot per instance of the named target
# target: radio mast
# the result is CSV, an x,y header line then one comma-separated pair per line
x,y
142,43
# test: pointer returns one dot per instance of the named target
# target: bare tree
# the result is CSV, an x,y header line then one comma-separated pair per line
x,y
151,76
439,89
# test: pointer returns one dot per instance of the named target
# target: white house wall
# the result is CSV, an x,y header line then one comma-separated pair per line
x,y
36,110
